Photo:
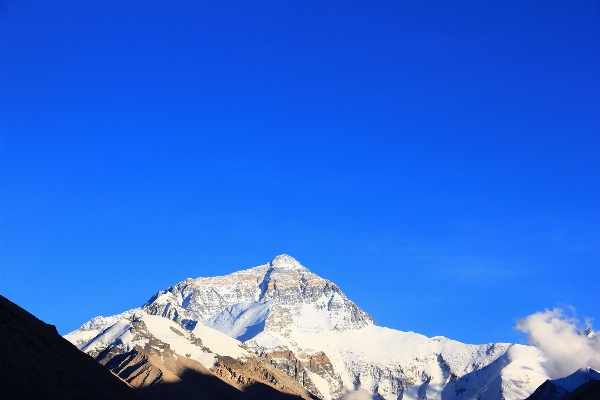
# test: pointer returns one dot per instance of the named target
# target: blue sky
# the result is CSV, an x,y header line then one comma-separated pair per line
x,y
439,161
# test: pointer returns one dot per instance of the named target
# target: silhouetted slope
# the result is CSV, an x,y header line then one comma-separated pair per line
x,y
548,391
37,363
587,391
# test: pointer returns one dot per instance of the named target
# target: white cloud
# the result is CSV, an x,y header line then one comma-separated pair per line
x,y
560,337
360,394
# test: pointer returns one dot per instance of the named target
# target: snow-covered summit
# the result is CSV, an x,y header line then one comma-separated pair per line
x,y
285,261
284,283
589,332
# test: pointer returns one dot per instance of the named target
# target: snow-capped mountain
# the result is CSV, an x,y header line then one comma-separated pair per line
x,y
589,332
305,326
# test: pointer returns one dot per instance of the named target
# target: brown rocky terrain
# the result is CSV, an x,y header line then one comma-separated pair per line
x,y
167,375
297,367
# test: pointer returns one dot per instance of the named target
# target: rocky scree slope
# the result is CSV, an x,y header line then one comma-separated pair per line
x,y
304,325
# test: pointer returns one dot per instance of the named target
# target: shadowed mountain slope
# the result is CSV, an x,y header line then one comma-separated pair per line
x,y
37,363
587,391
583,384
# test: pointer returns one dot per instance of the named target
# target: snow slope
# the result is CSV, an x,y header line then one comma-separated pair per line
x,y
242,321
142,329
306,326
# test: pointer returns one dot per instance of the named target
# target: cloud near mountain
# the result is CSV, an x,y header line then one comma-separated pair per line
x,y
565,345
360,394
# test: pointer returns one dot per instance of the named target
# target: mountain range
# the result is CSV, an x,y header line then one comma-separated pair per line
x,y
301,332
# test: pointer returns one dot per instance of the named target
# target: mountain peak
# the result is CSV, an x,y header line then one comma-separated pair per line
x,y
287,262
589,332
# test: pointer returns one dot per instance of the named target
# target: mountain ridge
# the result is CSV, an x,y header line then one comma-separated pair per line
x,y
305,325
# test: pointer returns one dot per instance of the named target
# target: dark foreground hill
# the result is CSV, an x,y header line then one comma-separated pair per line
x,y
587,391
37,363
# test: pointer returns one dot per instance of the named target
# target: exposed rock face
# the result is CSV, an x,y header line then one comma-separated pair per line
x,y
167,305
37,363
247,373
305,326
135,368
301,369
168,375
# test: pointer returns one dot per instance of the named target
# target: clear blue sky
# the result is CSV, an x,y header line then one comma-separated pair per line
x,y
439,161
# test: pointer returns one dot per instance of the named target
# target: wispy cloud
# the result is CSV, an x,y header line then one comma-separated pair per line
x,y
561,337
476,269
447,262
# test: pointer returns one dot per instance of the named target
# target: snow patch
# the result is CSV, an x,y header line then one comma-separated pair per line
x,y
321,384
242,321
285,261
118,331
219,342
